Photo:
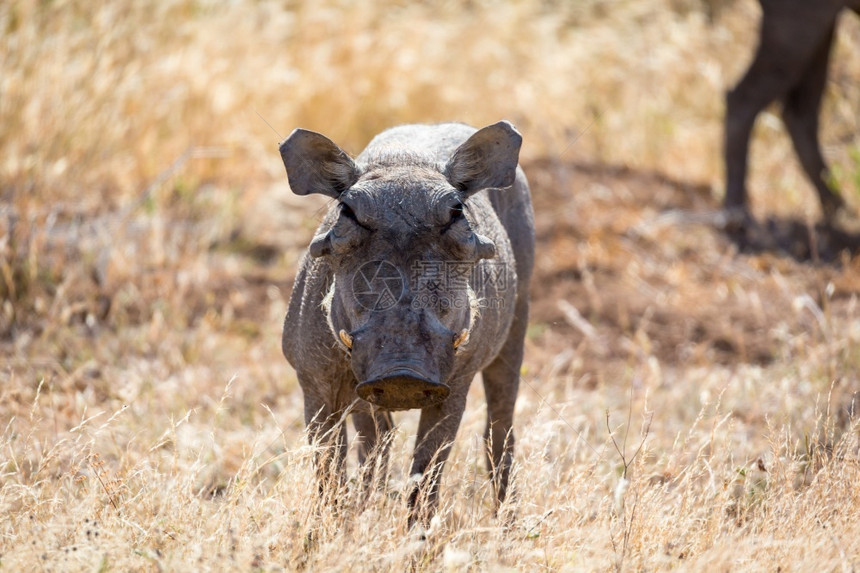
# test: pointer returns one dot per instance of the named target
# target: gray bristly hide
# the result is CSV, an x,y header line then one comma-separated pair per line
x,y
416,280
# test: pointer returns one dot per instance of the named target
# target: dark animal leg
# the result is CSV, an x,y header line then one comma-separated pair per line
x,y
800,112
758,88
374,443
501,382
437,429
327,432
788,56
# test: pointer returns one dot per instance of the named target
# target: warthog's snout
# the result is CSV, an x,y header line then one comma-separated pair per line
x,y
402,359
402,389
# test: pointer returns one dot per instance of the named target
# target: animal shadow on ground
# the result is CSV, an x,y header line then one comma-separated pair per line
x,y
631,257
798,239
793,237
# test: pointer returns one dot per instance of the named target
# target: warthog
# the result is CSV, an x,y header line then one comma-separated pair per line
x,y
790,65
416,280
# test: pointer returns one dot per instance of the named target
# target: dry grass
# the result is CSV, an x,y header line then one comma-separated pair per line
x,y
148,240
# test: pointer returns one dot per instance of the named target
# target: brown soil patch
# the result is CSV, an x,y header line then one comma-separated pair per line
x,y
648,269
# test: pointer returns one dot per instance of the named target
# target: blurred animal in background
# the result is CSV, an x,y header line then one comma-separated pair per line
x,y
790,66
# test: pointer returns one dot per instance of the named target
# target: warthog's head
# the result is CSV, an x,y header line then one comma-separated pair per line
x,y
402,244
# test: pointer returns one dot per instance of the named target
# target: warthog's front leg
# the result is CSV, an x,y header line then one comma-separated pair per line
x,y
437,429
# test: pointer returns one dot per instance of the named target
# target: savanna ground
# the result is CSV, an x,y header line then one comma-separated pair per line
x,y
682,405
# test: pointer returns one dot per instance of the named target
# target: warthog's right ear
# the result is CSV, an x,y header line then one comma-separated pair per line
x,y
315,164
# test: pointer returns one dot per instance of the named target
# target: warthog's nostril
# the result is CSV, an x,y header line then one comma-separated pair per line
x,y
402,390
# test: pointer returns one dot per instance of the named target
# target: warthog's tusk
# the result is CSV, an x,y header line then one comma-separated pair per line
x,y
461,338
345,338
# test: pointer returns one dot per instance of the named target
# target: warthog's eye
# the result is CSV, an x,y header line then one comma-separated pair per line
x,y
348,214
455,214
346,211
346,234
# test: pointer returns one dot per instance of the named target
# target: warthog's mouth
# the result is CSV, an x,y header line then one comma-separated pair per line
x,y
402,389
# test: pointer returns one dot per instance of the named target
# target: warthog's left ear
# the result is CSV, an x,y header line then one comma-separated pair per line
x,y
488,159
316,165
